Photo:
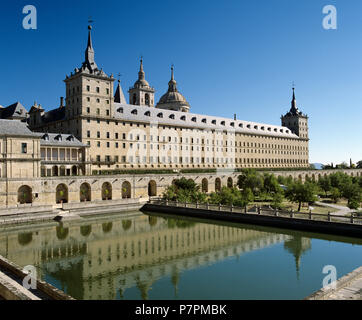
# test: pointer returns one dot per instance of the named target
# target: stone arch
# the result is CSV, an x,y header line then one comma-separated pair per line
x,y
107,227
85,231
126,224
230,182
152,188
217,184
106,191
147,99
62,233
25,238
61,194
300,177
25,195
126,190
205,185
85,193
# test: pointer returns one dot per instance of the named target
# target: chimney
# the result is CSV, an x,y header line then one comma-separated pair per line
x,y
234,116
61,102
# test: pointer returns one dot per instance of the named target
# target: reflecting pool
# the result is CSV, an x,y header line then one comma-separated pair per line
x,y
140,256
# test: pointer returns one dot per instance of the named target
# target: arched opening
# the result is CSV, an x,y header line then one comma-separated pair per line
x,y
217,185
300,177
152,188
205,185
230,182
126,224
85,231
74,171
61,193
134,99
107,227
106,191
126,190
25,195
85,192
55,171
147,99
62,232
25,238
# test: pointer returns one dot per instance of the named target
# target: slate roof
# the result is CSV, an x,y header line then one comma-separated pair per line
x,y
56,139
54,115
15,128
16,110
186,119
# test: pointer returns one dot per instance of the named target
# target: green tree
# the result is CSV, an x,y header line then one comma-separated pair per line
x,y
335,194
359,164
271,184
325,184
300,193
251,179
352,192
184,190
339,179
277,200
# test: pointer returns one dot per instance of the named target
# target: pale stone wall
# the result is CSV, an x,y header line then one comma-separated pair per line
x,y
44,189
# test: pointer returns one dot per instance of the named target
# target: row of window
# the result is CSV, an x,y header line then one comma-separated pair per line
x,y
198,160
88,89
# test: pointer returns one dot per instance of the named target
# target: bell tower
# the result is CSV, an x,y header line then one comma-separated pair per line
x,y
89,90
295,120
141,94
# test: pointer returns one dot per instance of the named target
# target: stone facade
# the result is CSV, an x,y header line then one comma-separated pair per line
x,y
140,136
73,189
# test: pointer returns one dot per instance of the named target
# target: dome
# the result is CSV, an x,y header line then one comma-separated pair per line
x,y
141,83
172,99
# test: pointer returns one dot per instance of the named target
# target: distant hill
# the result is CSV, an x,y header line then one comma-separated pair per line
x,y
318,166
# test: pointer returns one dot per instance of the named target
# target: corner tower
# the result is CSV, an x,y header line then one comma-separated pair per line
x,y
295,120
89,90
141,94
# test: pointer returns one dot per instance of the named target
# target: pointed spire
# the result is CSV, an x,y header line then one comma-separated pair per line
x,y
294,101
141,73
89,37
172,83
119,96
89,52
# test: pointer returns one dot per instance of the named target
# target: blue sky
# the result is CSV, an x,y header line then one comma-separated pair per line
x,y
230,57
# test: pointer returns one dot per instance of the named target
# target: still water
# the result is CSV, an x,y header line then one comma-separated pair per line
x,y
138,256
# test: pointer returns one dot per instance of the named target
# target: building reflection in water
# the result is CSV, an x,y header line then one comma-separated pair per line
x,y
100,258
297,246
